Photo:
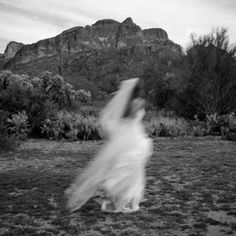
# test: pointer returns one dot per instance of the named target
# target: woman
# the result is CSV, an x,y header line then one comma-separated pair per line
x,y
119,168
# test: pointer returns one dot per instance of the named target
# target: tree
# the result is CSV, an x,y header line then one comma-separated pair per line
x,y
165,79
212,65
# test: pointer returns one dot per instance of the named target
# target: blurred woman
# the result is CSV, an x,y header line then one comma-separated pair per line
x,y
119,167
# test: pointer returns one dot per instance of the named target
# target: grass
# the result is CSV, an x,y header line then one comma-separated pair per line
x,y
191,190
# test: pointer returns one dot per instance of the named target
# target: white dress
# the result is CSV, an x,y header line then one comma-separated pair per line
x,y
124,179
119,167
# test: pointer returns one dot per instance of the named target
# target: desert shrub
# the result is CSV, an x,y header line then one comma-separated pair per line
x,y
218,125
198,128
167,126
231,136
212,124
198,131
37,82
58,90
228,130
15,92
20,94
7,141
83,96
13,128
87,110
61,92
222,125
40,108
69,125
40,97
18,124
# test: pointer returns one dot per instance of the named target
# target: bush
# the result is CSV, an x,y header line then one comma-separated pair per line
x,y
40,97
83,96
228,131
231,136
72,126
15,92
90,110
18,125
220,125
198,128
198,131
7,141
167,127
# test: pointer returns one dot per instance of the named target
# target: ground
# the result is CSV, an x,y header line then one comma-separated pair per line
x,y
191,190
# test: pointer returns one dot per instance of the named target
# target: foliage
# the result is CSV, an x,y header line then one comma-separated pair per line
x,y
15,92
13,128
40,97
166,77
18,125
69,125
198,128
83,96
167,126
224,125
212,81
202,81
90,110
61,92
7,141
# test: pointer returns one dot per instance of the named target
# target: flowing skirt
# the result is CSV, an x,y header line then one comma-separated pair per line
x,y
119,169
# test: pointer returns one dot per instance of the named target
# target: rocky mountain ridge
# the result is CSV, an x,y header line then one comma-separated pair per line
x,y
115,48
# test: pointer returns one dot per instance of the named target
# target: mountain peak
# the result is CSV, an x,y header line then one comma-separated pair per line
x,y
12,48
105,22
128,21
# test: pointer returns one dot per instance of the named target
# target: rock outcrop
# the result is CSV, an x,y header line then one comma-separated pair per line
x,y
104,48
12,49
2,60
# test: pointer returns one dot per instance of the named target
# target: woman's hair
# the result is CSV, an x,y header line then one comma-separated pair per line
x,y
138,92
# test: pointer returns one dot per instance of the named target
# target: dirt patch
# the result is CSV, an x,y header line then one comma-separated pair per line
x,y
191,190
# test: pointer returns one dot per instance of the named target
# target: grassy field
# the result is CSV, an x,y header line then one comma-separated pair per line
x,y
191,190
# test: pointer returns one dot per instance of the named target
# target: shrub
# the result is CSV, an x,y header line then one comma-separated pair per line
x,y
40,97
61,92
15,92
18,125
7,141
228,131
89,110
40,109
37,83
198,131
69,125
231,136
220,125
198,128
83,96
167,126
212,124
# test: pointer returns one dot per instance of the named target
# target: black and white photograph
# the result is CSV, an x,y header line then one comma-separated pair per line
x,y
118,118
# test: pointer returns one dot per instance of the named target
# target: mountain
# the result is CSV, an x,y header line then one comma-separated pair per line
x,y
93,57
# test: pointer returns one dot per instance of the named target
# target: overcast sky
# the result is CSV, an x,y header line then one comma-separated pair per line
x,y
28,21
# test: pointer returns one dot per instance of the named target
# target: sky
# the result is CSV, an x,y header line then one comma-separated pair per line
x,y
29,21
